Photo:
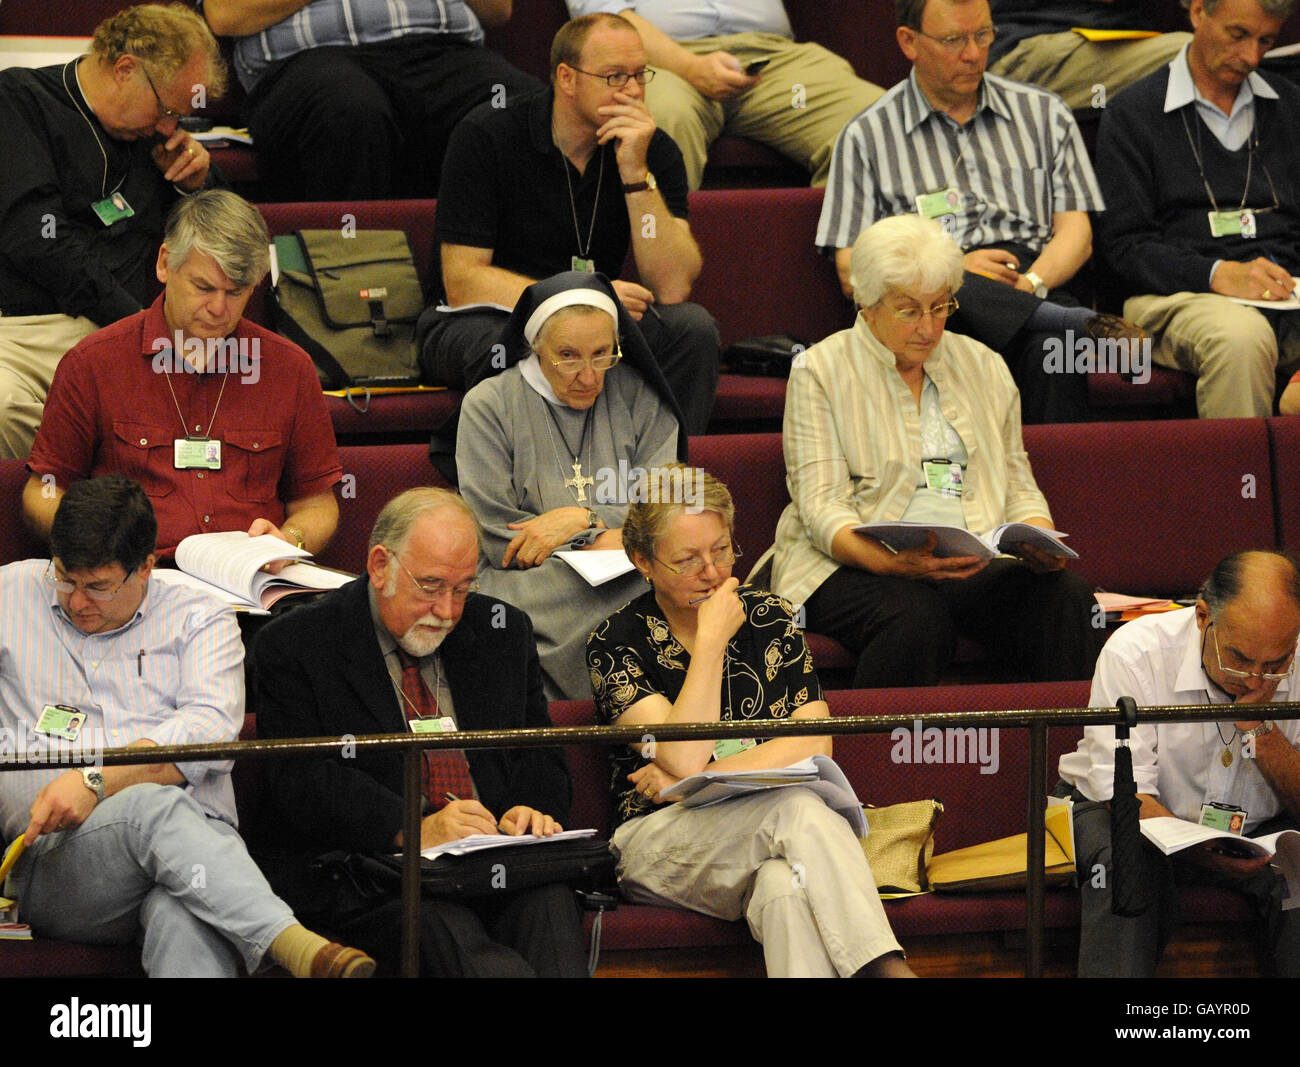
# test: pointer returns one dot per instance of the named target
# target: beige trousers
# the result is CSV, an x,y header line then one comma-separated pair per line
x,y
1086,73
30,349
805,97
782,859
1232,349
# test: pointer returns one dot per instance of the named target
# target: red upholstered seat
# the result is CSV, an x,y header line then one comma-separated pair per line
x,y
373,475
16,542
1284,441
1152,506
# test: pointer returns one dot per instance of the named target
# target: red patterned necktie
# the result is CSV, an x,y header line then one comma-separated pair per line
x,y
445,769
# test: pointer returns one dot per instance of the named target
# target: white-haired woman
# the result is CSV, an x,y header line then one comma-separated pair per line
x,y
894,419
547,453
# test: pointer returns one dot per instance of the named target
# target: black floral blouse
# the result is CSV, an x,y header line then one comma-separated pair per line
x,y
633,654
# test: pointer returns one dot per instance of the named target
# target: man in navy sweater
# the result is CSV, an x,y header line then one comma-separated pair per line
x,y
1196,163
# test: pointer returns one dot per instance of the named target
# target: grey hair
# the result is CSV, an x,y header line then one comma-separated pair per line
x,y
393,527
1277,9
226,227
901,251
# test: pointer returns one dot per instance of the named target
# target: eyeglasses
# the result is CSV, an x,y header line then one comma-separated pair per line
x,y
573,366
95,590
619,78
435,589
724,557
957,42
913,314
1266,676
167,112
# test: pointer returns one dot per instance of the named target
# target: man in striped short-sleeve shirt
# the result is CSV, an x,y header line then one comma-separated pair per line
x,y
355,99
1002,166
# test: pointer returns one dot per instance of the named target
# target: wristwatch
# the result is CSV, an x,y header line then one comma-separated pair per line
x,y
295,533
94,781
593,520
1265,727
1040,289
639,187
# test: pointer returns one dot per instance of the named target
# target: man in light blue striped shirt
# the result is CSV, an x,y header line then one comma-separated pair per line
x,y
355,99
1001,165
94,655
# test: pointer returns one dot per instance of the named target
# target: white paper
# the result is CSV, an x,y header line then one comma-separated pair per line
x,y
821,774
1291,303
597,565
485,842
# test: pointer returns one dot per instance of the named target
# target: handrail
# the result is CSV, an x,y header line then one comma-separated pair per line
x,y
1036,720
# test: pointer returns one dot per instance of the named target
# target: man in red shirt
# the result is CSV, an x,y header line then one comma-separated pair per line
x,y
221,421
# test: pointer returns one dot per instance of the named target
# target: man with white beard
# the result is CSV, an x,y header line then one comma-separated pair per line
x,y
410,645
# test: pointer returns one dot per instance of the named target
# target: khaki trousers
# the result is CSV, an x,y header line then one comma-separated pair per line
x,y
30,348
1234,351
782,859
805,97
1086,73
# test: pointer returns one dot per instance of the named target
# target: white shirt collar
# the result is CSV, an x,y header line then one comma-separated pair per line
x,y
1182,87
531,369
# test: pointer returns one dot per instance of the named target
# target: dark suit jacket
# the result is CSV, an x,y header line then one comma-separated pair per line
x,y
320,673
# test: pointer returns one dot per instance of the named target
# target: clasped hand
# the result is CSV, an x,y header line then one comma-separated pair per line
x,y
538,537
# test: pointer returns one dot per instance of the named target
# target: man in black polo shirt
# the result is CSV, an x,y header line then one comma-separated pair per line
x,y
565,180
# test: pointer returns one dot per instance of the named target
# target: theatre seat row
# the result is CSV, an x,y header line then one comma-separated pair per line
x,y
863,33
796,293
1150,507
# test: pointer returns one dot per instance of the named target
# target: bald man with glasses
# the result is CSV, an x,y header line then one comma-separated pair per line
x,y
1237,648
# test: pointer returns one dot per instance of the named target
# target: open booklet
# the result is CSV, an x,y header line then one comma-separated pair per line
x,y
954,541
486,842
229,566
821,774
1172,835
597,565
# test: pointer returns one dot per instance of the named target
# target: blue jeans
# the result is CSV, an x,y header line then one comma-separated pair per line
x,y
149,861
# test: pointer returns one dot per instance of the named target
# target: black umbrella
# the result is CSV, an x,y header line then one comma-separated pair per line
x,y
1126,893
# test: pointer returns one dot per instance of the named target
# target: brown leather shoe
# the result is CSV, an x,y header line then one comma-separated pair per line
x,y
338,961
1103,326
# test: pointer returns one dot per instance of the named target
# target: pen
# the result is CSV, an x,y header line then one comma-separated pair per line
x,y
654,311
139,663
450,798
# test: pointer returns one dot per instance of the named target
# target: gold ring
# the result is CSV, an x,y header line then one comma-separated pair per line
x,y
1268,294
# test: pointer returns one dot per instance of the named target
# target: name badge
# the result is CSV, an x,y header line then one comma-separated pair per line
x,y
1231,223
1223,817
582,266
939,203
112,208
196,453
943,476
729,746
444,725
59,720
